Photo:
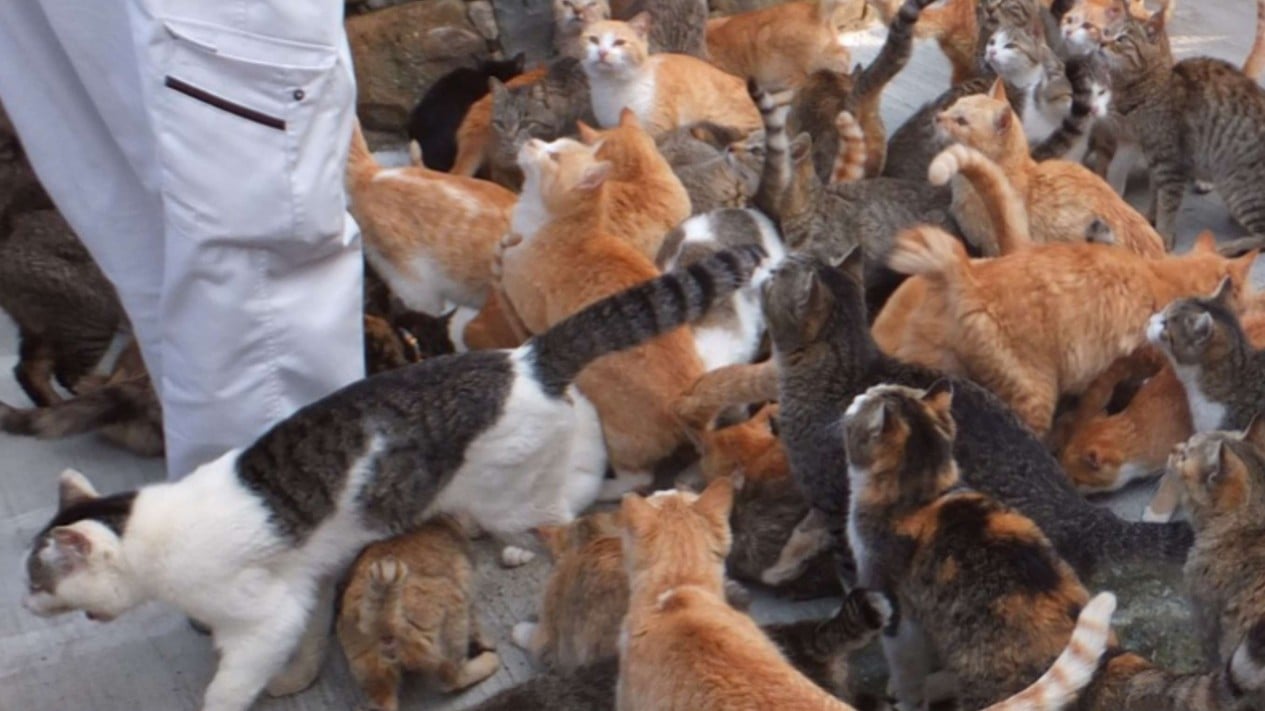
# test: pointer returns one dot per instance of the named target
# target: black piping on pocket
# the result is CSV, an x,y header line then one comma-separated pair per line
x,y
221,103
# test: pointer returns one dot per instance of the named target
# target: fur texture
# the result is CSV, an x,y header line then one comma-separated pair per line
x,y
436,118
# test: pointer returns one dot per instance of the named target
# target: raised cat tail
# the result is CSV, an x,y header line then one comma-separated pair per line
x,y
1006,210
776,174
934,253
361,166
850,163
381,605
895,52
1075,668
1256,58
638,314
1076,123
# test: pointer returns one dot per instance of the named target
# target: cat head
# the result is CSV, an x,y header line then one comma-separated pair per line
x,y
900,444
627,146
565,173
1195,331
992,14
809,301
677,535
571,16
614,49
749,448
562,540
1221,472
1135,47
1095,454
1015,54
76,562
984,122
504,69
1083,26
519,114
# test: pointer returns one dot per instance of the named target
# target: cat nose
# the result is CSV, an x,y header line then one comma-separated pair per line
x,y
601,54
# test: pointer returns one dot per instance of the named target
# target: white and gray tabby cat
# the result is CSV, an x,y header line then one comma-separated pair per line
x,y
1025,63
249,543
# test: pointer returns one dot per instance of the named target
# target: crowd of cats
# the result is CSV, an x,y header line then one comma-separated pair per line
x,y
676,310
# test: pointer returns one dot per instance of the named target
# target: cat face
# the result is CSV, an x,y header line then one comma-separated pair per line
x,y
992,14
571,16
805,295
1135,46
564,172
77,566
1220,470
615,49
1092,459
1012,53
899,442
981,121
678,534
519,114
1083,26
1194,331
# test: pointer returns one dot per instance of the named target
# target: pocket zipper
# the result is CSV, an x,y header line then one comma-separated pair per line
x,y
223,104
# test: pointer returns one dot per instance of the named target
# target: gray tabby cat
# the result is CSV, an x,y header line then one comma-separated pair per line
x,y
677,26
249,543
1198,119
718,167
547,109
1224,376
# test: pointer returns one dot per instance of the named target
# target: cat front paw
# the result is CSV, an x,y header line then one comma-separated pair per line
x,y
386,572
873,606
513,556
523,634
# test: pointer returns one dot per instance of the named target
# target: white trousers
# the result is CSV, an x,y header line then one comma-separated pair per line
x,y
198,148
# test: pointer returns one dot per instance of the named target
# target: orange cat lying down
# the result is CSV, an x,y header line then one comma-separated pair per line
x,y
1047,320
431,235
780,45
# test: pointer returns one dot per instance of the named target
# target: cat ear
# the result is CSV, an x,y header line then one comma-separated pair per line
x,y
594,176
628,119
1202,327
71,543
496,87
1241,268
877,421
1255,432
1154,24
520,61
818,304
801,147
1224,294
939,397
998,90
1205,242
73,488
588,134
639,516
716,501
1004,117
851,264
641,24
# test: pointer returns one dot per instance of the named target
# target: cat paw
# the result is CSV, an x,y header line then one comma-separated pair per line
x,y
874,606
781,573
737,595
1150,515
513,556
1203,187
523,634
386,572
293,680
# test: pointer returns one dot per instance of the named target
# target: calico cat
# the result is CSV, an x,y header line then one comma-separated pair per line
x,y
731,333
1084,330
408,608
718,167
381,454
569,20
1062,197
66,311
122,407
1196,119
779,45
665,91
645,197
826,356
1221,474
1217,365
430,235
435,119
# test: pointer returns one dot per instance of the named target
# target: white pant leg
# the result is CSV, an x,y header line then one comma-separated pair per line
x,y
248,106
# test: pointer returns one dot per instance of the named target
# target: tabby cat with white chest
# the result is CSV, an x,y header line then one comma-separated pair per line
x,y
248,543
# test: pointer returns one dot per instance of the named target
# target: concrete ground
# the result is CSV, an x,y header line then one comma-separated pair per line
x,y
151,660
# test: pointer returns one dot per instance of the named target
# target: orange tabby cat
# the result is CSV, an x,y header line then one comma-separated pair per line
x,y
568,259
666,91
725,387
780,45
1063,198
475,135
430,235
750,448
646,199
1047,320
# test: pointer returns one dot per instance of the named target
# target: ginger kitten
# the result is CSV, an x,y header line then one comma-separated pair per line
x,y
1092,300
430,235
779,45
407,608
665,91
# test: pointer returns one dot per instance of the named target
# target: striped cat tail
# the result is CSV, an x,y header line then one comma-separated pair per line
x,y
1241,680
1006,210
850,163
638,314
1076,124
361,166
1059,686
775,177
894,54
1255,61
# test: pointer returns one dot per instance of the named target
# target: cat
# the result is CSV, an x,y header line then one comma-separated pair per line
x,y
779,45
122,407
1218,366
491,434
722,388
476,134
408,607
569,19
66,311
1254,64
570,257
676,26
980,587
1084,330
434,121
1221,476
1086,22
1023,61
718,167
1194,120
585,597
665,91
430,235
731,333
825,357
646,199
1062,197
387,348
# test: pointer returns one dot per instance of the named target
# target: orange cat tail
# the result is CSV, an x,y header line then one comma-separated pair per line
x,y
361,167
380,606
1005,209
932,252
737,384
1059,686
850,163
1256,58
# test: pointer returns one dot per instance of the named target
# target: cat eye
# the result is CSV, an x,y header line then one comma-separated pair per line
x,y
620,43
1011,45
592,40
960,121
